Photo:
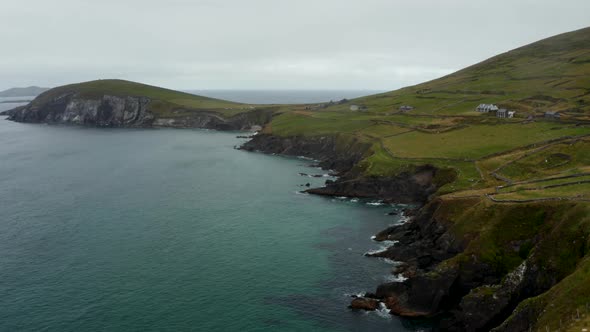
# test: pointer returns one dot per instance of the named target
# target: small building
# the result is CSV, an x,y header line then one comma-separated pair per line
x,y
406,108
552,115
504,113
486,108
360,108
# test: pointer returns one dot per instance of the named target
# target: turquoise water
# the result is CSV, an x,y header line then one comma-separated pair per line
x,y
174,230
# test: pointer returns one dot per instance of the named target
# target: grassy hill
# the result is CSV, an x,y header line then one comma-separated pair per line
x,y
23,92
507,169
445,130
551,74
164,101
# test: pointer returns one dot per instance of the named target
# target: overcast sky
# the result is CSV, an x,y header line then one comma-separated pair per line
x,y
267,44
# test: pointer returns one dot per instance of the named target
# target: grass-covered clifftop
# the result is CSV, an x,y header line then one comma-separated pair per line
x,y
119,103
163,101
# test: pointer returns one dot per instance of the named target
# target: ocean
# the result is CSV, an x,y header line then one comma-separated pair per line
x,y
175,230
284,96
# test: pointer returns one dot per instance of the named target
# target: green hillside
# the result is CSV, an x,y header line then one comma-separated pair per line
x,y
164,101
444,128
523,180
550,75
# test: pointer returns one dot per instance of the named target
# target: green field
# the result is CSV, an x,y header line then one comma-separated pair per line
x,y
476,141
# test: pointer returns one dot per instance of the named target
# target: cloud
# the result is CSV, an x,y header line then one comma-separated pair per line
x,y
370,44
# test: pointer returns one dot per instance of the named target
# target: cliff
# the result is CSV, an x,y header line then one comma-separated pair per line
x,y
114,103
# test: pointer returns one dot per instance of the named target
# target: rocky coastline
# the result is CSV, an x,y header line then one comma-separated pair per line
x,y
442,281
468,294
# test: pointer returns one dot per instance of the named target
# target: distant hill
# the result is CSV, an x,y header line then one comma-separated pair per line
x,y
23,92
120,103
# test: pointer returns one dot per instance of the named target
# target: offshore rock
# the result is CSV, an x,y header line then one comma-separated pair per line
x,y
362,303
405,188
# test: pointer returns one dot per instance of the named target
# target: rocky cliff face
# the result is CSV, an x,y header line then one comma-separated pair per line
x,y
332,152
115,111
405,188
341,155
452,278
111,111
212,120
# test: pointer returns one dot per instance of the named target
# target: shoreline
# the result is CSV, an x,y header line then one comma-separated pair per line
x,y
437,279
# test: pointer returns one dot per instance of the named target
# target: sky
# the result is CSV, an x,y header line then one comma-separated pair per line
x,y
267,44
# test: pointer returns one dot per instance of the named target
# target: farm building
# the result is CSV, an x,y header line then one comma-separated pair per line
x,y
486,108
504,113
406,108
358,108
552,115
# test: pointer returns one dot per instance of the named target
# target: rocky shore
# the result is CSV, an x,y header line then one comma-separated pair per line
x,y
444,279
459,285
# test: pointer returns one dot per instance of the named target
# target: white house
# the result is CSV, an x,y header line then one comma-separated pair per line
x,y
354,107
486,108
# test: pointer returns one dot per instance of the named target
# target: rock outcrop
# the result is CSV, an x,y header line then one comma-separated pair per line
x,y
413,187
107,111
363,303
333,152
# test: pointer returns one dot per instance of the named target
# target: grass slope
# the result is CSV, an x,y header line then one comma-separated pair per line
x,y
518,180
551,74
164,101
445,130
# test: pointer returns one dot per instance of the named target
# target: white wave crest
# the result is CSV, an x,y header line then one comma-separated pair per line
x,y
382,248
389,261
382,311
395,278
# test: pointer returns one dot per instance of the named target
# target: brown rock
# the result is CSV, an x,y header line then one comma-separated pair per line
x,y
397,308
362,303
